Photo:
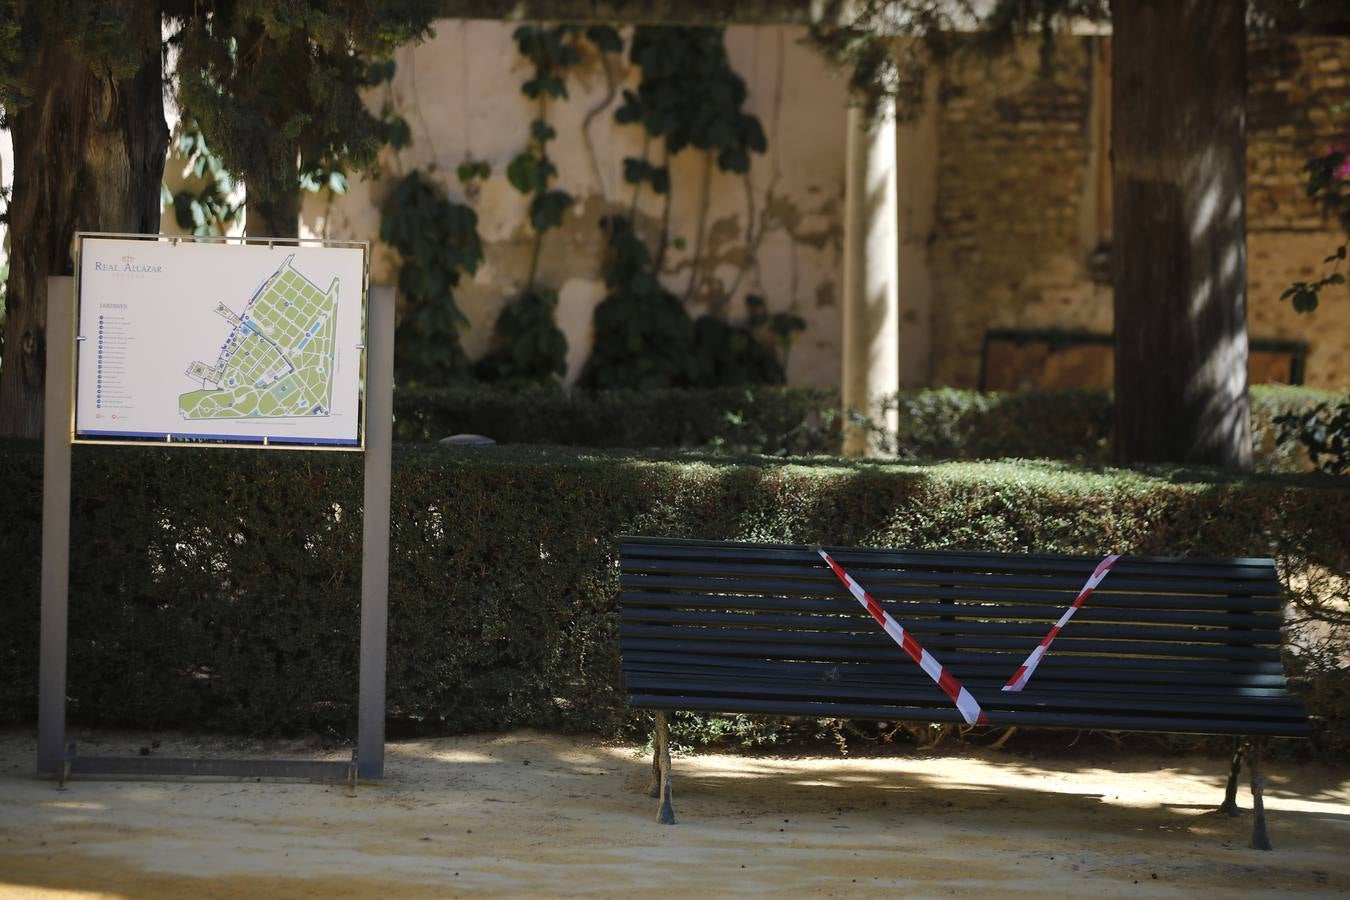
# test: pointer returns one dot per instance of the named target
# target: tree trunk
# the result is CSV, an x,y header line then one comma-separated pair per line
x,y
1179,140
88,156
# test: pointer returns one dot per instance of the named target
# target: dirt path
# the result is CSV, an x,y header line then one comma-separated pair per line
x,y
527,814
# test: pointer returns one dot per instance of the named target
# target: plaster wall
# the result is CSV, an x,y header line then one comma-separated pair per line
x,y
775,232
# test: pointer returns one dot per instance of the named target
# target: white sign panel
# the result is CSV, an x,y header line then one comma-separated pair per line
x,y
221,342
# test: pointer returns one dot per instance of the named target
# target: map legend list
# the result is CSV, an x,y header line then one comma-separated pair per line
x,y
114,342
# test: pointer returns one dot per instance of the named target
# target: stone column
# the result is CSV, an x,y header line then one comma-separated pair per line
x,y
871,348
916,154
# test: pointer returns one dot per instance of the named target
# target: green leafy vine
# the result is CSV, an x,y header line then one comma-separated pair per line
x,y
1324,431
645,337
689,97
527,345
1328,184
438,241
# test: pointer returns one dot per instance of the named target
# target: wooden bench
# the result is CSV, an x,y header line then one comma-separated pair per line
x,y
1189,646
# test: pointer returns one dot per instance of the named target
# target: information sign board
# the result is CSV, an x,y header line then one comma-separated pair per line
x,y
227,342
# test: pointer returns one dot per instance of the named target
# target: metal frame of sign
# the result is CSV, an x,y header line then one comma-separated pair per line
x,y
55,756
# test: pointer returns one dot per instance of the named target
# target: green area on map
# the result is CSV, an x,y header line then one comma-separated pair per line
x,y
276,358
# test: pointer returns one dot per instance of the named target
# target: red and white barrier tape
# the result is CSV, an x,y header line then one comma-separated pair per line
x,y
1024,671
970,709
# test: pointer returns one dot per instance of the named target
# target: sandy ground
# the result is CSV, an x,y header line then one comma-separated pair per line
x,y
528,814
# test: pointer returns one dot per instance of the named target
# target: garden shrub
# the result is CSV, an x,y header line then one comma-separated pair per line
x,y
740,419
225,594
940,423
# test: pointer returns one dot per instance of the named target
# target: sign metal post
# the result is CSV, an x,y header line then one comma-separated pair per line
x,y
54,757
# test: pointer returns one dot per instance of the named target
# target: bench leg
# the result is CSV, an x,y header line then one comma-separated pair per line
x,y
1230,806
654,789
666,813
1260,840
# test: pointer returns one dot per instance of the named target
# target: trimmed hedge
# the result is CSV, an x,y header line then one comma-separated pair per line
x,y
219,588
942,423
736,419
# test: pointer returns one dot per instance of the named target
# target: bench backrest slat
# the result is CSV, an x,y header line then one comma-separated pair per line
x,y
1117,608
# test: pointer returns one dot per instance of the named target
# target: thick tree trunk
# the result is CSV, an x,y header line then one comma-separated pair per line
x,y
88,156
1179,141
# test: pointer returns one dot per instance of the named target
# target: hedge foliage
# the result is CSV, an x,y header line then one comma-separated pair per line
x,y
219,588
741,419
942,423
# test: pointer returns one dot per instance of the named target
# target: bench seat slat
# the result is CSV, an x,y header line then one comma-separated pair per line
x,y
1030,718
993,700
1155,690
1079,679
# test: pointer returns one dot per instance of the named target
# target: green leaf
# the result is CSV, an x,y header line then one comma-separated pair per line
x,y
397,132
734,160
542,132
605,38
753,134
183,203
523,173
1305,300
546,210
380,72
555,87
639,171
630,111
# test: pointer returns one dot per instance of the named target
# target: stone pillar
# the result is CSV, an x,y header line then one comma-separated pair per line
x,y
916,153
871,348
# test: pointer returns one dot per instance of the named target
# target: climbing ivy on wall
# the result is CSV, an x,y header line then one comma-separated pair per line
x,y
531,172
645,337
527,345
643,334
439,243
689,97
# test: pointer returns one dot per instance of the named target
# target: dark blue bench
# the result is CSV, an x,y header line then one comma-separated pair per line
x,y
1187,646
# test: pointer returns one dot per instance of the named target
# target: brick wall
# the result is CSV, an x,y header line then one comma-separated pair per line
x,y
1023,201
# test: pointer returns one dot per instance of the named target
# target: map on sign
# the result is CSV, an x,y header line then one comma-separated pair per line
x,y
220,342
277,356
